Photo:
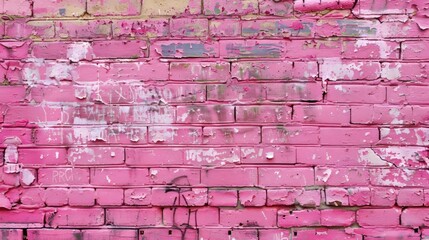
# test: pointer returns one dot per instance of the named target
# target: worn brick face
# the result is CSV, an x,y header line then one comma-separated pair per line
x,y
214,119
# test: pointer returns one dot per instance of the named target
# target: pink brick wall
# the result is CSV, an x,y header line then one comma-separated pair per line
x,y
214,119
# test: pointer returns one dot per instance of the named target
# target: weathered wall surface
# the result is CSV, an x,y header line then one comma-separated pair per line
x,y
214,119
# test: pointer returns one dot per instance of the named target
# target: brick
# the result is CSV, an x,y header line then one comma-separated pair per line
x,y
398,177
369,49
12,234
224,7
200,71
299,218
415,72
225,27
211,156
407,94
263,113
367,7
223,233
109,197
283,197
63,8
284,8
410,197
290,135
394,29
151,28
21,218
96,156
155,8
414,49
119,176
252,49
378,217
231,135
205,114
325,234
337,197
267,155
222,197
84,197
75,217
356,94
383,196
337,217
414,217
14,50
113,8
153,156
379,114
120,234
56,197
404,136
349,136
277,28
359,196
33,115
356,176
21,8
42,156
256,198
349,70
249,93
33,197
83,29
63,176
312,49
20,29
176,176
348,28
229,177
175,135
189,27
285,70
138,196
248,217
322,114
289,177
185,49
34,234
119,49
154,233
134,217
294,92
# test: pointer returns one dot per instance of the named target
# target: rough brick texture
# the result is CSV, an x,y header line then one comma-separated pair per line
x,y
214,119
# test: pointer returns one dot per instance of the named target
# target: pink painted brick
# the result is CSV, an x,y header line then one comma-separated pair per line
x,y
184,49
248,93
380,114
109,197
248,217
360,196
277,28
33,197
119,49
138,196
366,7
225,27
229,177
114,8
63,176
62,8
56,197
337,217
356,94
349,70
205,114
222,197
283,197
224,7
165,233
414,217
394,29
175,135
224,233
324,114
256,198
349,136
284,8
309,198
11,234
21,29
411,197
348,27
167,196
405,136
267,155
290,135
34,234
33,115
120,234
176,176
23,134
42,156
75,217
134,217
14,50
153,156
294,92
337,197
312,6
82,197
119,176
285,70
231,135
387,233
370,49
62,50
147,28
383,196
189,27
21,218
399,177
286,177
414,49
139,71
299,218
415,72
12,94
21,8
407,94
355,176
96,156
252,49
212,156
83,29
325,234
312,49
200,71
378,217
